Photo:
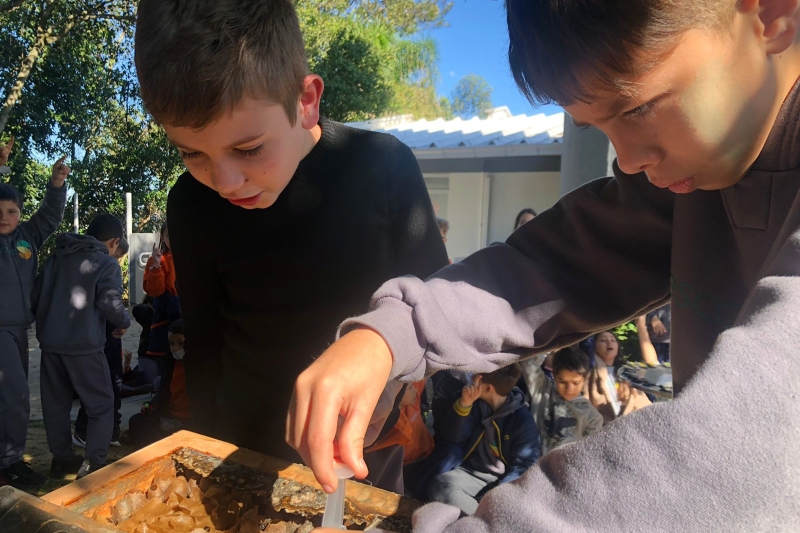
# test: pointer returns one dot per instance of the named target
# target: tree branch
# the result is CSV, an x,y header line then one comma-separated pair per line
x,y
10,5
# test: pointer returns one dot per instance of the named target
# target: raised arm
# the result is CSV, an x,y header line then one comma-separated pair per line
x,y
649,354
45,221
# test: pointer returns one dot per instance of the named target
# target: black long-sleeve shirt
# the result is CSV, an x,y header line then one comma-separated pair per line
x,y
264,290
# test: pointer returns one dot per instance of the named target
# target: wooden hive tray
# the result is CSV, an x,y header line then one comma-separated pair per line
x,y
291,488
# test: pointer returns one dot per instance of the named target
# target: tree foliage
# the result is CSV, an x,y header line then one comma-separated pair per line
x,y
471,97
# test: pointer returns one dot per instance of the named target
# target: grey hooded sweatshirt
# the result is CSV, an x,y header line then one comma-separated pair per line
x,y
722,456
19,258
79,288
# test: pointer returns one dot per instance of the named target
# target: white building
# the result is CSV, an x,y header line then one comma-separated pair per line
x,y
481,172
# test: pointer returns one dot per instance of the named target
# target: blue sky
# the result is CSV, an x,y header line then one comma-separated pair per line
x,y
476,41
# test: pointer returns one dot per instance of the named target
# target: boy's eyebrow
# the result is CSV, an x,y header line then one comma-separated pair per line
x,y
619,104
240,142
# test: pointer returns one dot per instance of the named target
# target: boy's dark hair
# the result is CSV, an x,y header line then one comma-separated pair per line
x,y
197,59
443,224
105,227
503,379
526,211
9,192
123,247
572,359
567,51
176,328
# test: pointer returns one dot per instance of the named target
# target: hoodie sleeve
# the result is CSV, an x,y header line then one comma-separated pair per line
x,y
459,423
596,259
109,296
45,221
681,462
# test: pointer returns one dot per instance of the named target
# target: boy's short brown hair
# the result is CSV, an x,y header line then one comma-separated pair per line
x,y
503,379
197,59
566,51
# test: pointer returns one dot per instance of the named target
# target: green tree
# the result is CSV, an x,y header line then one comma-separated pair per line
x,y
471,97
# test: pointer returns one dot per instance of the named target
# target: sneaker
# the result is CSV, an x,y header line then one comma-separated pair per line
x,y
21,476
116,443
77,440
87,468
61,468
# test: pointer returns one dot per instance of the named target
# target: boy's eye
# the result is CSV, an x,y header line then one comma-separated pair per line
x,y
189,155
645,110
251,152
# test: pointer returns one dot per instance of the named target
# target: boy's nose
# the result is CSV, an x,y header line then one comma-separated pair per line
x,y
226,180
634,158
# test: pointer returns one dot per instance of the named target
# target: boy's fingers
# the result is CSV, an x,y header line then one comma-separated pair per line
x,y
351,441
61,160
10,144
322,422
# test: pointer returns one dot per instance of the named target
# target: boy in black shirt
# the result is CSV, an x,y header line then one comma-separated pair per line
x,y
285,222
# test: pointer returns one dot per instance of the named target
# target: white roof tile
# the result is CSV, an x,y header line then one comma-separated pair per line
x,y
500,129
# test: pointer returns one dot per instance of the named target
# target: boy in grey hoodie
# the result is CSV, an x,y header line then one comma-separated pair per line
x,y
79,288
701,101
19,251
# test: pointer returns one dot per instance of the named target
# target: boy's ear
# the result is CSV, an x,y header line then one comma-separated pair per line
x,y
308,107
780,20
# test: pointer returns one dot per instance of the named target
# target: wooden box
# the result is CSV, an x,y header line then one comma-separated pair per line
x,y
289,487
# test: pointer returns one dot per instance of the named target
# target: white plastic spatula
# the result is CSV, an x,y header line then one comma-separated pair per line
x,y
334,505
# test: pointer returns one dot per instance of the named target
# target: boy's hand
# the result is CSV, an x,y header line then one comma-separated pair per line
x,y
5,151
658,327
157,255
60,173
118,333
471,393
346,381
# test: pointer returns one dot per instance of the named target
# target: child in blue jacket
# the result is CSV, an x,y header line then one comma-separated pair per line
x,y
489,437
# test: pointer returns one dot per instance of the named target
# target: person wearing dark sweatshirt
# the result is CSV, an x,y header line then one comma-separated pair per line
x,y
309,216
701,101
78,290
19,253
491,439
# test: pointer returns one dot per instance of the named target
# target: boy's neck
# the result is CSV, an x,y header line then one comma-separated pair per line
x,y
312,138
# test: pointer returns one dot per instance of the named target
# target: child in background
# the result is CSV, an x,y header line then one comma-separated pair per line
x,y
72,304
524,216
561,413
19,255
114,358
609,396
491,439
159,284
168,411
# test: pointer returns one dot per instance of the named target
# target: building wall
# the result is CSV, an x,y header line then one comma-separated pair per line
x,y
512,192
481,207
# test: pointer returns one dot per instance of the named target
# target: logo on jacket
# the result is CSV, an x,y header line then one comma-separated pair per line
x,y
24,249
